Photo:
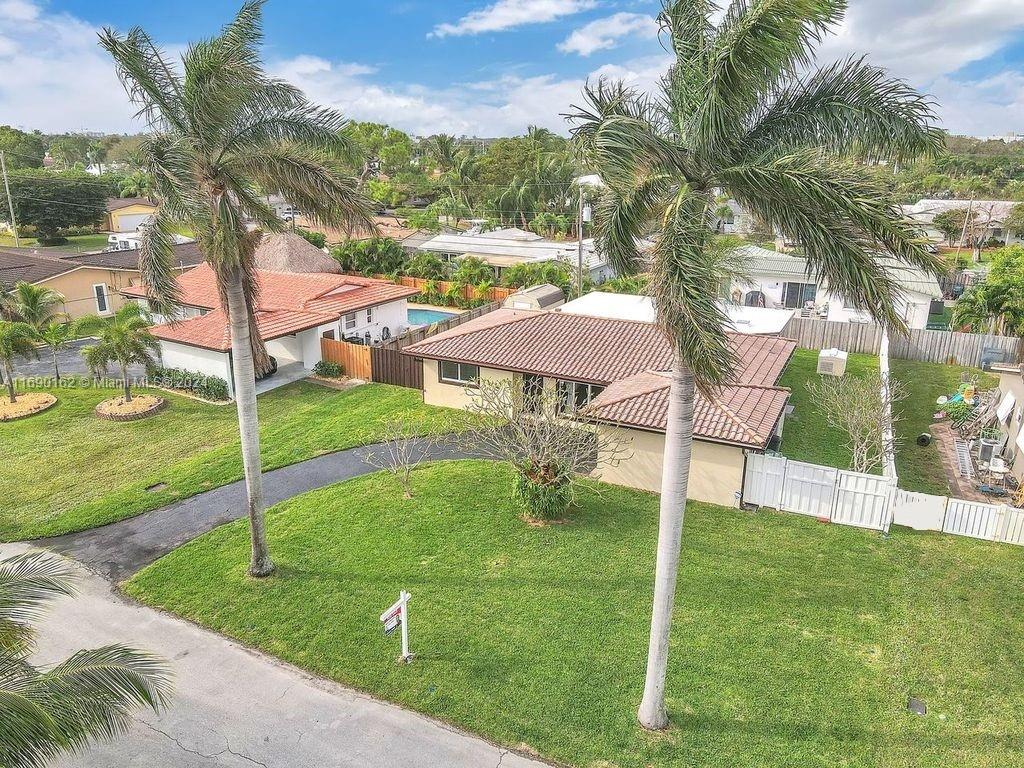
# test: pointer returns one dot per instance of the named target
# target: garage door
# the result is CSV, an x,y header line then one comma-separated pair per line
x,y
130,222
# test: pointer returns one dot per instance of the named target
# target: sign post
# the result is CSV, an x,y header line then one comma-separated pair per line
x,y
398,616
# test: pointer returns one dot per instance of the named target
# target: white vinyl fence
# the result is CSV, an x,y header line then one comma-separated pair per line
x,y
872,501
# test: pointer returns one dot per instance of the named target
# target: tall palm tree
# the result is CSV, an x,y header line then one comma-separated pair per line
x,y
55,336
137,184
123,340
7,303
89,697
35,304
442,150
16,340
222,129
739,113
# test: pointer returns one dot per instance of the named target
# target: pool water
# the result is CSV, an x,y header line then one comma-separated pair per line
x,y
427,316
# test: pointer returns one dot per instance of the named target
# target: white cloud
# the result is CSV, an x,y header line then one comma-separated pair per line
x,y
53,75
606,33
991,106
506,14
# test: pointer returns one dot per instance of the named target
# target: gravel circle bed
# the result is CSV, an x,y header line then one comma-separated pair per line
x,y
26,404
141,406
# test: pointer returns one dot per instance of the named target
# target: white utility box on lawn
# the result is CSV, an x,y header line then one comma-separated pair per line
x,y
832,362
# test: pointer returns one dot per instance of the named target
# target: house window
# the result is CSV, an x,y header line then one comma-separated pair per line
x,y
369,315
796,295
458,373
574,395
350,321
328,334
100,293
533,390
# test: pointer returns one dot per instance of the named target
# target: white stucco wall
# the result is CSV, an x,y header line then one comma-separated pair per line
x,y
197,360
393,316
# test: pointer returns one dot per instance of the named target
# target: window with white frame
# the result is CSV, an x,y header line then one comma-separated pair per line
x,y
369,315
99,292
458,373
574,395
350,321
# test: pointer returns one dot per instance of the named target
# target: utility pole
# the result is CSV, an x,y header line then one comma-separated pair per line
x,y
10,202
579,246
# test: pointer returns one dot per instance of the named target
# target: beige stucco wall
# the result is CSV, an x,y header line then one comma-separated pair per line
x,y
76,288
437,392
716,470
113,217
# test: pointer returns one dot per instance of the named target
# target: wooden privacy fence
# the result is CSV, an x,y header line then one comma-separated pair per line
x,y
495,293
385,363
947,347
353,358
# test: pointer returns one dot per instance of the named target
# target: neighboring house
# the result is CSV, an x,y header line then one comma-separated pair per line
x,y
127,214
988,221
778,280
615,369
130,241
738,221
625,306
294,312
90,283
504,248
543,296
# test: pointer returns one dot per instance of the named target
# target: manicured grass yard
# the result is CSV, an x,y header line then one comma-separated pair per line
x,y
75,244
794,643
807,437
66,470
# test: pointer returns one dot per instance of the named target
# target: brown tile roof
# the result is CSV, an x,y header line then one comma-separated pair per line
x,y
740,415
185,255
289,302
16,265
117,203
582,348
211,331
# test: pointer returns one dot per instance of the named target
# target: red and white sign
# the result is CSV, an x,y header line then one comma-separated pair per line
x,y
398,616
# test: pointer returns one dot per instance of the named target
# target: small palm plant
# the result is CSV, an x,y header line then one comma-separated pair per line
x,y
35,304
16,340
61,709
123,340
55,336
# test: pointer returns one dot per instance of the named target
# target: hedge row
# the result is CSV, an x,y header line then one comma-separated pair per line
x,y
199,384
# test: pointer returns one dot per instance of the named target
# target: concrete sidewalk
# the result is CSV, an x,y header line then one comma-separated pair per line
x,y
238,708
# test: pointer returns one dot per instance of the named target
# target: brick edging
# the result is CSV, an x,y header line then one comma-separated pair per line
x,y
131,416
46,407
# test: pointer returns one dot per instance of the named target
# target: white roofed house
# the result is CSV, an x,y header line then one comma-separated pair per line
x,y
778,280
504,248
988,222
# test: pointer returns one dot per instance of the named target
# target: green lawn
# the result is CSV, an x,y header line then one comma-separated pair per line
x,y
805,434
919,468
66,470
794,643
807,437
75,244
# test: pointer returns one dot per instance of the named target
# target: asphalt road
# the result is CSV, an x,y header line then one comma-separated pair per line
x,y
237,708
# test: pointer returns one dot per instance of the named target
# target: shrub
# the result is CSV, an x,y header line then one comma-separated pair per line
x,y
199,384
319,239
545,498
378,255
426,266
328,369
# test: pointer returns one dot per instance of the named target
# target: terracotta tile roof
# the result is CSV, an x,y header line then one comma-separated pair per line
x,y
740,415
289,303
582,348
211,331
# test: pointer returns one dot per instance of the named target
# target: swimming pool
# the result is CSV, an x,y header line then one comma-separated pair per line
x,y
427,316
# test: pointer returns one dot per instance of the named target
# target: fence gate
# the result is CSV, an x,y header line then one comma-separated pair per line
x,y
1013,526
808,489
972,518
863,500
920,511
765,476
392,367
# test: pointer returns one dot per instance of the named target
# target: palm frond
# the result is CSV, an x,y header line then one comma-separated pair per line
x,y
27,583
147,77
156,264
625,216
850,108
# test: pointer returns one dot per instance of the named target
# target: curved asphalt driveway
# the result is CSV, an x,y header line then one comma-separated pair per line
x,y
119,550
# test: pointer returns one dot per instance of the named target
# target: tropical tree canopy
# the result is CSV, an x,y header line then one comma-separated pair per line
x,y
35,304
63,708
122,340
17,339
995,305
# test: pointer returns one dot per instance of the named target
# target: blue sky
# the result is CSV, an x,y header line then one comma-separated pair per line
x,y
484,68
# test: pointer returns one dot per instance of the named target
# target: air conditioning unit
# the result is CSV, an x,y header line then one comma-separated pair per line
x,y
832,362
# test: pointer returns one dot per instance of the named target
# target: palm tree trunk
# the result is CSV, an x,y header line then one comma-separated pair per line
x,y
248,424
56,368
9,375
674,478
126,384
